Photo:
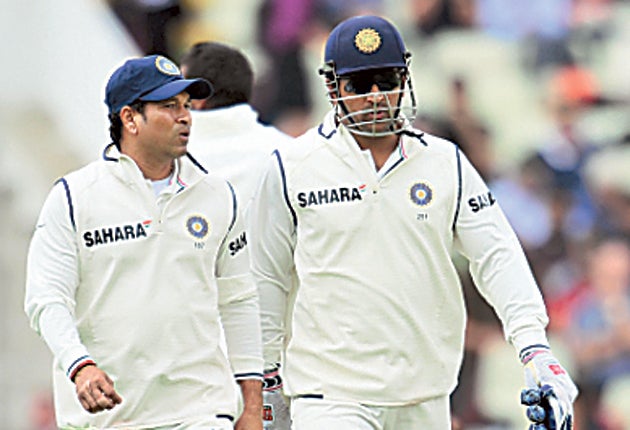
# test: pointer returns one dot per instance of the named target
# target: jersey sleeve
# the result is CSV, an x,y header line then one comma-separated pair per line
x,y
272,223
238,302
52,279
497,262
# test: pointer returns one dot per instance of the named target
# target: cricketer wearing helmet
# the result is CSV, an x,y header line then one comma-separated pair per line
x,y
369,210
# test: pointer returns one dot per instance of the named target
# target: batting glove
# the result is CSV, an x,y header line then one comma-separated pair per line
x,y
276,412
550,391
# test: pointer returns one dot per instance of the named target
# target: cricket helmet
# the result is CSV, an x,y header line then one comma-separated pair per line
x,y
359,47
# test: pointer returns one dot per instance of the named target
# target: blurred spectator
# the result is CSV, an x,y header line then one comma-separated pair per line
x,y
461,125
542,25
482,329
524,197
150,23
433,16
565,147
599,330
608,176
282,94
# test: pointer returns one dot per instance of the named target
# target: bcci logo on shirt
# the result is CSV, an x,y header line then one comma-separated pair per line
x,y
198,227
421,194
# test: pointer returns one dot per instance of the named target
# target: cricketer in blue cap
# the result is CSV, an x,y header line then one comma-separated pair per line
x,y
147,234
150,79
364,51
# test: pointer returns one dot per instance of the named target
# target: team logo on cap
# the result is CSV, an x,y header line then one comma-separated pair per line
x,y
421,194
367,40
166,66
197,226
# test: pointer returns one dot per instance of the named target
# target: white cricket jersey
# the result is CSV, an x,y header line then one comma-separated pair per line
x,y
233,144
140,286
379,315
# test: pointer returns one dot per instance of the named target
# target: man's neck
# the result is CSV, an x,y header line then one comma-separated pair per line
x,y
157,172
380,147
152,168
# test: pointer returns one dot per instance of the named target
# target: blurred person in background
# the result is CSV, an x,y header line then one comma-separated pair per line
x,y
571,92
369,211
229,140
283,94
151,23
598,331
541,27
608,177
228,137
136,261
431,17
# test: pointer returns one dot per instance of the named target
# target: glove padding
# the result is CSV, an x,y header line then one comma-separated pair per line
x,y
550,391
276,412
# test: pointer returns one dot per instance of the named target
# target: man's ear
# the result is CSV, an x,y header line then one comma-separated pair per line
x,y
127,117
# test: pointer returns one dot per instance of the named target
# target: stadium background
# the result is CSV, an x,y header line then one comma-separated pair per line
x,y
57,55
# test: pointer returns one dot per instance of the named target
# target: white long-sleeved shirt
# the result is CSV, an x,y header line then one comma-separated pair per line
x,y
379,315
140,286
231,143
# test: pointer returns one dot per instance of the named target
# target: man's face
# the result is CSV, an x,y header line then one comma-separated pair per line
x,y
164,127
371,96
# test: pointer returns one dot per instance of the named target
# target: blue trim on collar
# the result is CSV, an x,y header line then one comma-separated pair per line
x,y
196,163
105,157
320,130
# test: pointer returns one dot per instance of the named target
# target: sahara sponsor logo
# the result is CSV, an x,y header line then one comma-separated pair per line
x,y
107,235
328,196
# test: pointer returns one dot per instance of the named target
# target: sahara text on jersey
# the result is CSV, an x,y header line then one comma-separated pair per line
x,y
106,235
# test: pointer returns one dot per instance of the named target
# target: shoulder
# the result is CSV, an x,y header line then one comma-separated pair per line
x,y
85,177
436,144
216,182
424,147
303,146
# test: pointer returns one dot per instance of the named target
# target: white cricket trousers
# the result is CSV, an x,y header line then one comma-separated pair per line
x,y
318,414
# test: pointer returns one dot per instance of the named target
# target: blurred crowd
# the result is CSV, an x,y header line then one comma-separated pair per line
x,y
567,196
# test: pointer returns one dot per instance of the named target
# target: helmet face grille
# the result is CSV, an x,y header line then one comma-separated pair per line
x,y
379,117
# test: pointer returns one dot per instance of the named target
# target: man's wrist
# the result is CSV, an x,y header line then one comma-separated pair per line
x,y
529,352
251,390
78,365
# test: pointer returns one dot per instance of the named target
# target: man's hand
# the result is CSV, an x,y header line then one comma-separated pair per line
x,y
551,392
95,390
249,421
251,418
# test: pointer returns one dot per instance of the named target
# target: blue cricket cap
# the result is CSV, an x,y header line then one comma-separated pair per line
x,y
363,43
151,79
